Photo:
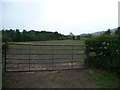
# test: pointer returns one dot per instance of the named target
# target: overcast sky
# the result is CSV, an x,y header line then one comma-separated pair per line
x,y
64,16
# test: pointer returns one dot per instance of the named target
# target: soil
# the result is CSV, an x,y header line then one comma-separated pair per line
x,y
51,79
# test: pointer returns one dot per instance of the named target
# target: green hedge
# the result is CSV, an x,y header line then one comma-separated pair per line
x,y
104,52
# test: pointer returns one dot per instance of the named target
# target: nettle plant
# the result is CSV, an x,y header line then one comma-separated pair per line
x,y
105,49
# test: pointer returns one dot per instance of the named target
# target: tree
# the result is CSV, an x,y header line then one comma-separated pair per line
x,y
78,37
24,36
73,37
117,32
108,32
56,35
5,36
17,35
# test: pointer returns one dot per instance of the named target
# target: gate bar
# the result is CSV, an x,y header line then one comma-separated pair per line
x,y
44,44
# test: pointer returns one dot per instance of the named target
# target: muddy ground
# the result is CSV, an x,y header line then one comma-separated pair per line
x,y
51,79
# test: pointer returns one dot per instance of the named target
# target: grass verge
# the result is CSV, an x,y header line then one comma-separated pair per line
x,y
104,79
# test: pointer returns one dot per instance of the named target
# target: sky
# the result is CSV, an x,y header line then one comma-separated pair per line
x,y
63,16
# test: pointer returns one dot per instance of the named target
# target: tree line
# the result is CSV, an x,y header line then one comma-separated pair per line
x,y
32,35
108,32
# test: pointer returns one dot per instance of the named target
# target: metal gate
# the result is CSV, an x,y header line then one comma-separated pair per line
x,y
34,57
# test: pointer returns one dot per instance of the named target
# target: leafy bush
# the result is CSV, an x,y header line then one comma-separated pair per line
x,y
104,52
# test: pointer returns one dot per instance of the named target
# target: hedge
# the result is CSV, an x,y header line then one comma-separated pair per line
x,y
104,52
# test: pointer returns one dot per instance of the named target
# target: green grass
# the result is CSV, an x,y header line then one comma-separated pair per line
x,y
104,79
73,42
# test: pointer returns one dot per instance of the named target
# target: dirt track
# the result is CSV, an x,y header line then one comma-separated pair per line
x,y
51,79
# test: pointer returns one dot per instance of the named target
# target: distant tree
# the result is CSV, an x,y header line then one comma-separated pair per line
x,y
117,32
11,34
5,36
24,36
108,32
17,35
73,37
56,35
78,37
32,35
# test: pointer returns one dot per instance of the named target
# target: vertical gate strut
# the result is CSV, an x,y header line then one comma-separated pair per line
x,y
29,55
52,55
72,58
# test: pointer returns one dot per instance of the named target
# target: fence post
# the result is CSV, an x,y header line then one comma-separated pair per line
x,y
72,58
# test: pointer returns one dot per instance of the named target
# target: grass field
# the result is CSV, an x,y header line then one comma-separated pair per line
x,y
68,42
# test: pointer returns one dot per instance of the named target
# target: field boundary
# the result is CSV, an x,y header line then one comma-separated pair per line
x,y
42,57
